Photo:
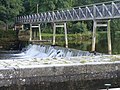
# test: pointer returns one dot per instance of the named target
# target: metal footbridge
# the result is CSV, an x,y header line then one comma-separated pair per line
x,y
107,10
99,13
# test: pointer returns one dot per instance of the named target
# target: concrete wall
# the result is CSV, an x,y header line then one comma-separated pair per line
x,y
55,74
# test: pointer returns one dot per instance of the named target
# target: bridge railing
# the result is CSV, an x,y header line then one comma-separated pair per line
x,y
107,10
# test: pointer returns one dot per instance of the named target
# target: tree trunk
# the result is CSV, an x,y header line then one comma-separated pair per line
x,y
6,27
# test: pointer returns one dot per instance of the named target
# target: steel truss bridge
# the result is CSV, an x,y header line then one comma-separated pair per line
x,y
97,12
107,10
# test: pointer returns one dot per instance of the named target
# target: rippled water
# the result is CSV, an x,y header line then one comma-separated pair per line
x,y
7,54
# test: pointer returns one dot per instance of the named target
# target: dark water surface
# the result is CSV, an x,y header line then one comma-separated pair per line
x,y
101,46
5,54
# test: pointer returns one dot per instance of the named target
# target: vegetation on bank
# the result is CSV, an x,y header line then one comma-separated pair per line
x,y
10,34
8,39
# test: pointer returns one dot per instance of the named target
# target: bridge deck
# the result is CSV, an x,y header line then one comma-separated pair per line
x,y
107,10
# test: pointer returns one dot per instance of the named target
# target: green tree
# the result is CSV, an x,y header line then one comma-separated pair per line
x,y
115,28
47,5
27,9
62,4
79,27
9,9
43,5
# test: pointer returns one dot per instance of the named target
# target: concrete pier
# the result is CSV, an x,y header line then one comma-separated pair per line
x,y
14,76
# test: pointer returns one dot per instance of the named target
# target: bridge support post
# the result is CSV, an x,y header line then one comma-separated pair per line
x,y
54,33
35,33
109,38
40,36
94,35
65,30
30,32
66,39
99,23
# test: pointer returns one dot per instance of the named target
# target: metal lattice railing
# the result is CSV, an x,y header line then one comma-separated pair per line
x,y
107,10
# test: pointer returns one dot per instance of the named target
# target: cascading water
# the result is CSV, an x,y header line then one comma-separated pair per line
x,y
42,51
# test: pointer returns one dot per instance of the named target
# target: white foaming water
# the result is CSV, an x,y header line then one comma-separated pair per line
x,y
43,51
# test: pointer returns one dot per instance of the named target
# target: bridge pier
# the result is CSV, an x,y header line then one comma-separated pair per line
x,y
109,38
35,33
99,23
54,33
94,35
65,30
19,27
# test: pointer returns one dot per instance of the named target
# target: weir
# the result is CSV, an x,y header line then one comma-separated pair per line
x,y
43,51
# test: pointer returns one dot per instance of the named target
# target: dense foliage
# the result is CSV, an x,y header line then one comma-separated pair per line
x,y
9,9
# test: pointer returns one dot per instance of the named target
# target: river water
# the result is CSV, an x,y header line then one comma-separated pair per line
x,y
101,45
